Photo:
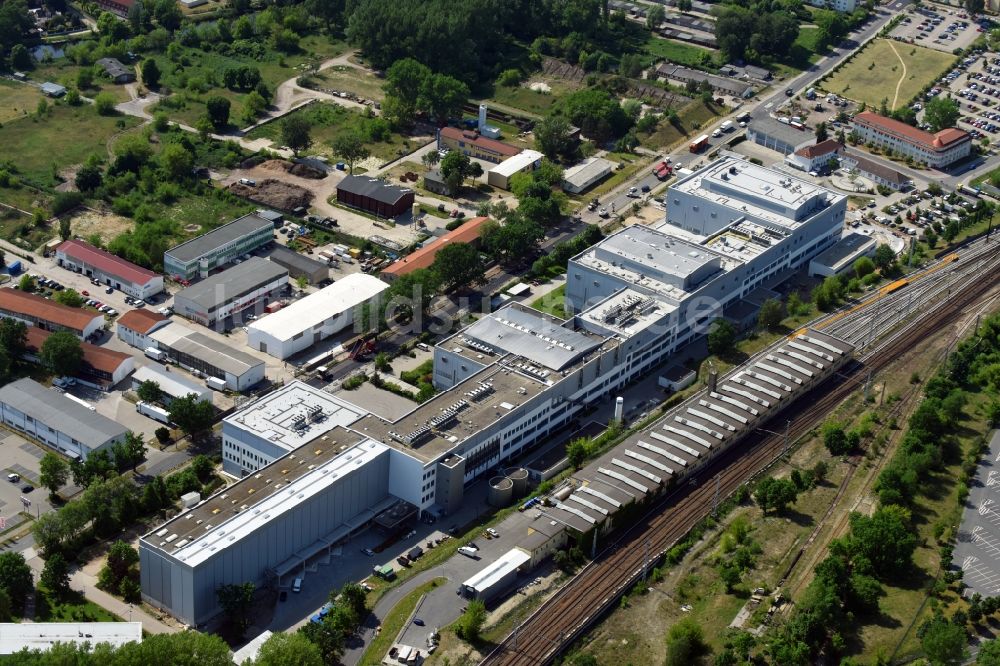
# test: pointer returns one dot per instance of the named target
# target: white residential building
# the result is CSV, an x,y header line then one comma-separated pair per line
x,y
936,150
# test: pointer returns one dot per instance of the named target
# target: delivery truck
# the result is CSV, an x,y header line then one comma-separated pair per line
x,y
699,144
215,383
727,126
156,354
152,411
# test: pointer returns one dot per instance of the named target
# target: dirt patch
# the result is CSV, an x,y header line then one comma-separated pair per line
x,y
105,225
300,170
274,193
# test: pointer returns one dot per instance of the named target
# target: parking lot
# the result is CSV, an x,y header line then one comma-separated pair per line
x,y
977,550
22,457
943,30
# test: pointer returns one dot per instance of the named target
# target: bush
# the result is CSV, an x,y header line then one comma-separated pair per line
x,y
65,202
104,103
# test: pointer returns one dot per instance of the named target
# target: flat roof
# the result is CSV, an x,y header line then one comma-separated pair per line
x,y
582,173
756,191
206,349
342,296
232,282
526,332
237,511
105,261
449,418
517,163
251,649
32,305
627,312
297,260
293,415
778,130
848,249
496,570
60,413
208,243
17,636
171,383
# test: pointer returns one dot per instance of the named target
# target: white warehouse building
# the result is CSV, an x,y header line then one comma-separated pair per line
x,y
313,318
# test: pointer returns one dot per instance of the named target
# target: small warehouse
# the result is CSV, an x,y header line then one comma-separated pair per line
x,y
214,300
374,196
110,269
50,89
197,352
434,182
524,162
134,326
497,577
313,318
299,265
116,71
586,174
841,257
172,384
101,368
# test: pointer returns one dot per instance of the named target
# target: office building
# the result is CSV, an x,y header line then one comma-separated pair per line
x,y
34,310
200,353
299,265
315,317
111,270
199,256
279,424
55,420
524,162
845,6
935,150
214,300
172,384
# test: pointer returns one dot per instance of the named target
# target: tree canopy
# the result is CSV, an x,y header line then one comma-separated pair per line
x,y
459,265
941,112
62,353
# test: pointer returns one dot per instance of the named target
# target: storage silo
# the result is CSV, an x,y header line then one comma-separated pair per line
x,y
519,476
501,492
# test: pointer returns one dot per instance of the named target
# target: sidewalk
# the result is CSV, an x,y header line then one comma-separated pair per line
x,y
84,582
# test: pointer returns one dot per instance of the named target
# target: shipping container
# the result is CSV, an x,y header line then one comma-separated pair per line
x,y
699,144
153,412
14,267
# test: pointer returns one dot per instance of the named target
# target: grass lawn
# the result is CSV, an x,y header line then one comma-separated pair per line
x,y
74,608
330,121
679,52
17,100
633,164
350,79
67,135
553,303
393,622
64,71
198,76
876,73
690,120
208,211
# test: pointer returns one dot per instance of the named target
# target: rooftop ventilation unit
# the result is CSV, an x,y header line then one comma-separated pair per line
x,y
298,421
315,412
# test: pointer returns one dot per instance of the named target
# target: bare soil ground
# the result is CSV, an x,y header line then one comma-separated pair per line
x,y
106,225
275,193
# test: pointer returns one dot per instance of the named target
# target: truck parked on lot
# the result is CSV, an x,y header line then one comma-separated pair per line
x,y
727,126
152,411
155,354
215,383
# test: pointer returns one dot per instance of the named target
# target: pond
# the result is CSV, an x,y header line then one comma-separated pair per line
x,y
40,52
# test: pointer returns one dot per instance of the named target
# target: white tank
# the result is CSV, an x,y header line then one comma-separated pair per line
x,y
482,117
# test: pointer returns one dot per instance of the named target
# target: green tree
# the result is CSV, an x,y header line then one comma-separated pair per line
x,y
442,97
930,238
863,266
176,162
885,540
217,108
884,257
771,313
355,598
62,353
20,58
55,575
129,452
552,137
350,147
471,622
53,472
835,439
685,643
596,112
974,7
989,653
85,78
832,27
654,16
89,177
944,642
288,650
26,284
513,243
775,494
254,106
15,577
151,73
721,338
577,452
104,103
69,298
236,601
459,265
192,415
167,14
941,113
455,166
403,83
6,610
295,132
821,132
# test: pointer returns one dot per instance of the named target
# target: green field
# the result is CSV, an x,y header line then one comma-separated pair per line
x,y
361,82
64,71
690,119
876,73
67,135
533,101
330,121
679,53
17,100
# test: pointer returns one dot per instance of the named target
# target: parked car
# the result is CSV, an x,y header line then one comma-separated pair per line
x,y
13,478
27,488
109,290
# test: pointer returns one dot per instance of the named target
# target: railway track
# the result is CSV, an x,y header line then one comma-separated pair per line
x,y
565,616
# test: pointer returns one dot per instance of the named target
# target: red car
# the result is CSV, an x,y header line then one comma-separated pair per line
x,y
85,293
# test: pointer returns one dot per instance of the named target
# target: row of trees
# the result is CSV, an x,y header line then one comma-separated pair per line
x,y
413,89
347,613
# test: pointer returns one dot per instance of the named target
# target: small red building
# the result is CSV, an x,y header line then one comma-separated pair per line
x,y
374,196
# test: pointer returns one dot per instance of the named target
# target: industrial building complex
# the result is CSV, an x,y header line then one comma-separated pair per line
x,y
199,256
315,469
51,418
315,317
214,300
35,310
199,352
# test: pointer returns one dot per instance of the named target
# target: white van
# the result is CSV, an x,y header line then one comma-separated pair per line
x,y
468,552
297,585
248,182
